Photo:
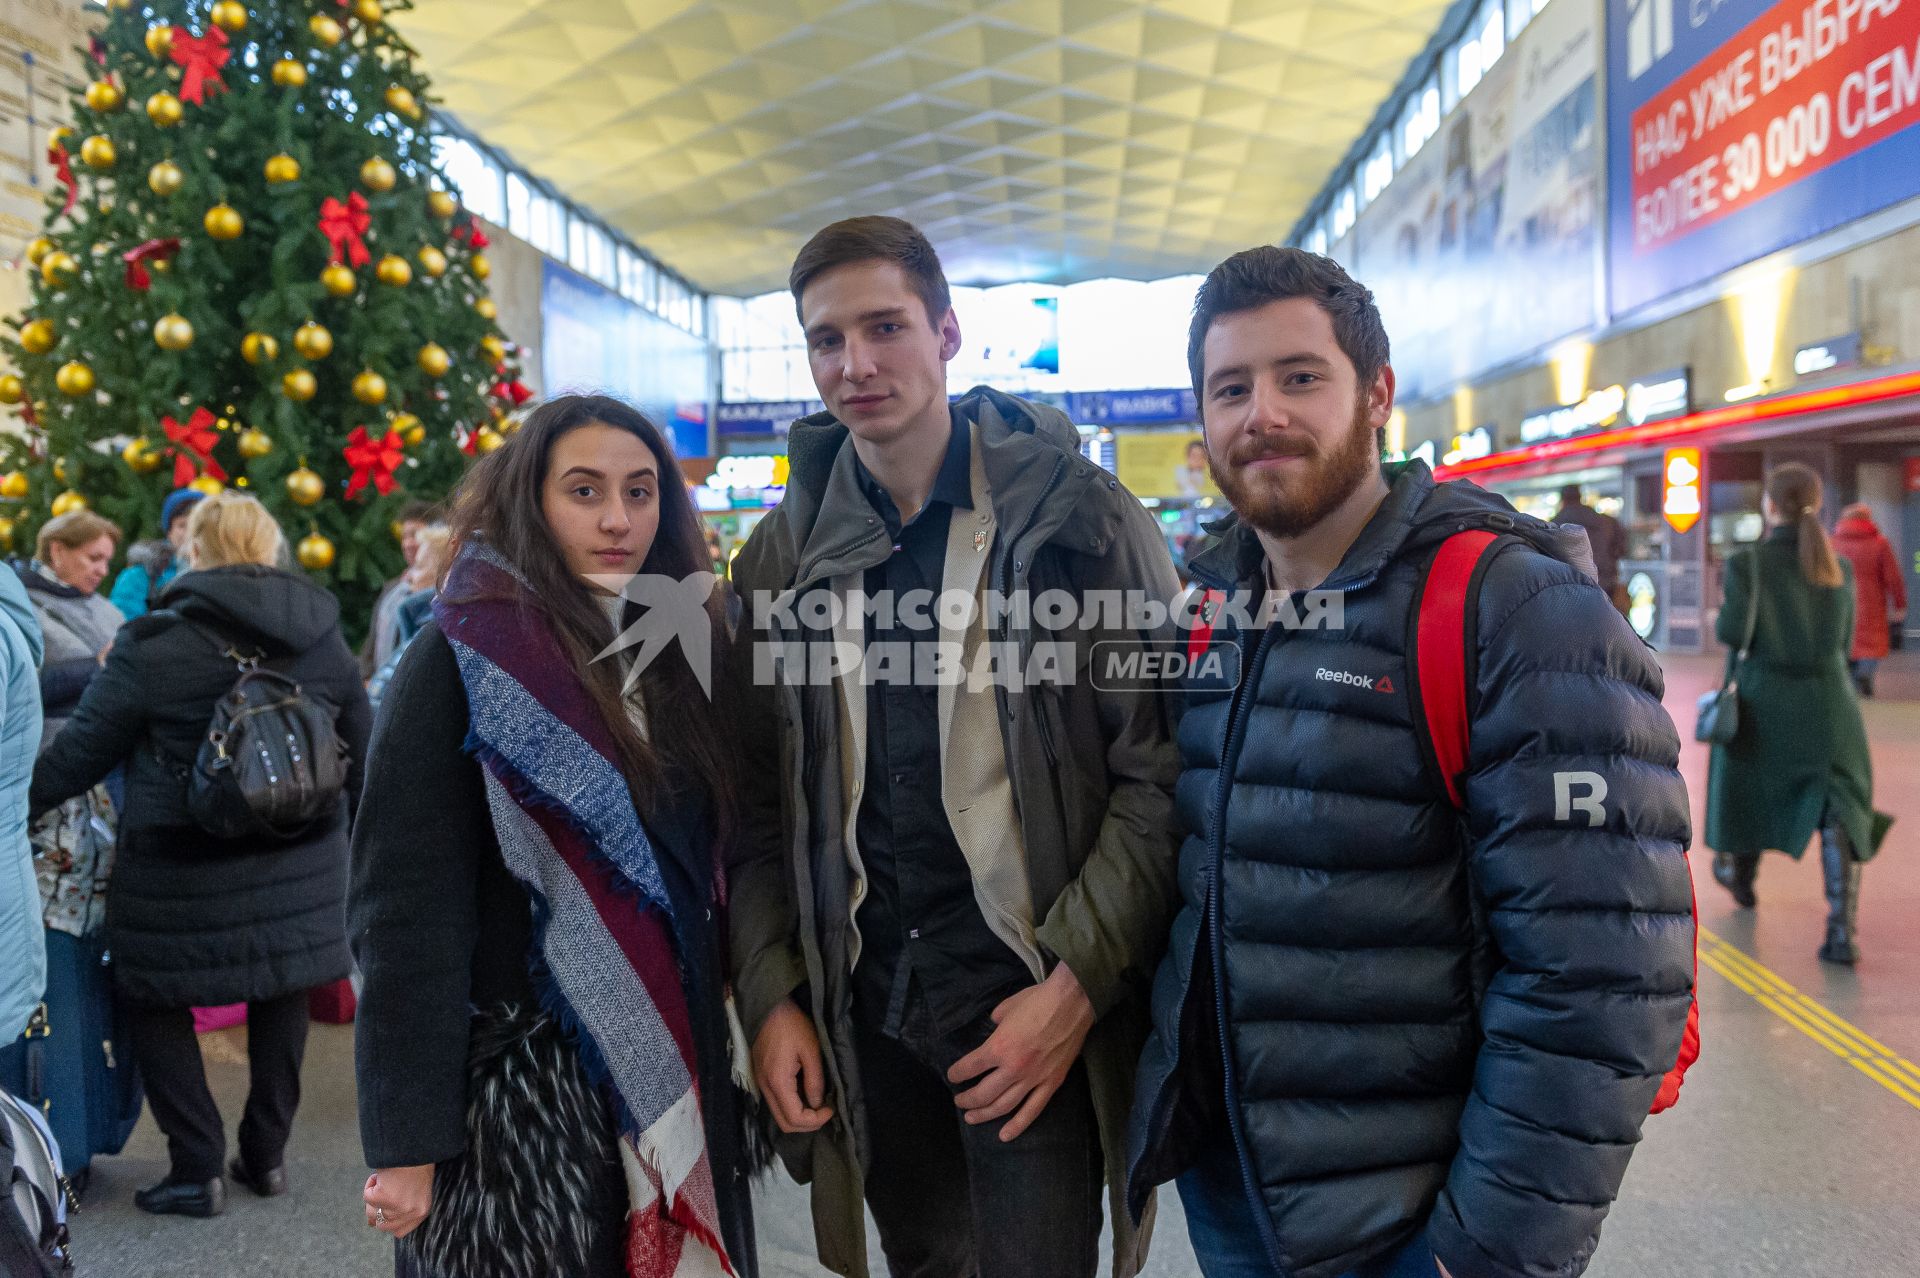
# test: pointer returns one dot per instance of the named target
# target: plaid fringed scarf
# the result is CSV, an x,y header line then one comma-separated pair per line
x,y
605,964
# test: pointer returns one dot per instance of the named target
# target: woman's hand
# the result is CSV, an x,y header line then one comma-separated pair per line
x,y
398,1198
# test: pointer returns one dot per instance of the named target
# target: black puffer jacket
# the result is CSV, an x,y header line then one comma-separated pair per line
x,y
193,920
1424,1015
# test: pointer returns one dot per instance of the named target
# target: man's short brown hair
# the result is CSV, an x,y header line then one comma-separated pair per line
x,y
1249,280
874,239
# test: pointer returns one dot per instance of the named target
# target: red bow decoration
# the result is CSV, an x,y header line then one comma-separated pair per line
x,y
62,163
98,48
344,225
27,414
470,234
200,59
510,388
152,251
192,443
469,440
372,459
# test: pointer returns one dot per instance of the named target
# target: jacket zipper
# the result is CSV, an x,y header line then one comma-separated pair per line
x,y
1236,725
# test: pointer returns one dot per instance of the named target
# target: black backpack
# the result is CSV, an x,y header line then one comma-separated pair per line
x,y
272,763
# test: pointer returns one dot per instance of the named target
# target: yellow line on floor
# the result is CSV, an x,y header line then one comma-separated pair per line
x,y
1840,1036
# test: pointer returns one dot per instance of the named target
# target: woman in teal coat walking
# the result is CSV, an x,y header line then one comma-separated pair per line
x,y
1799,762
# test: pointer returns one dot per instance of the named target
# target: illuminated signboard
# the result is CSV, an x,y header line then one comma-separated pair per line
x,y
1477,442
745,481
1680,478
1650,399
1820,357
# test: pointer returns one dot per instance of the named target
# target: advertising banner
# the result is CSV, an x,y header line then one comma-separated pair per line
x,y
1133,407
1163,463
1739,129
1483,247
598,342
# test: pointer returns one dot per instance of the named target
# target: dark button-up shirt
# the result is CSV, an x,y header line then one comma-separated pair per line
x,y
920,921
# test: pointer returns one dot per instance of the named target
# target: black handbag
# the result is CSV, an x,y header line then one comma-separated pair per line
x,y
1719,718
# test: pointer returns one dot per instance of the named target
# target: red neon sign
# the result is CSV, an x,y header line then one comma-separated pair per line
x,y
1875,391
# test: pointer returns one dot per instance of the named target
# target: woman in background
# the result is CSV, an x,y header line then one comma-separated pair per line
x,y
1799,763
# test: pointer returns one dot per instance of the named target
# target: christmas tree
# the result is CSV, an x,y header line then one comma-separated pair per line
x,y
252,274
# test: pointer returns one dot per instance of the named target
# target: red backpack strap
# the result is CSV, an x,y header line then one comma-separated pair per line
x,y
1205,613
1440,652
1669,1092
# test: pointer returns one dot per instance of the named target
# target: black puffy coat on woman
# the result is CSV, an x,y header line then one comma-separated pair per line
x,y
546,1075
195,920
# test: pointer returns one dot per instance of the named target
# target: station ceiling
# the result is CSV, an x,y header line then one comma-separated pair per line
x,y
1046,140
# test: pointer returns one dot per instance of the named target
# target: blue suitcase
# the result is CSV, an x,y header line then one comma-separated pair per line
x,y
73,1062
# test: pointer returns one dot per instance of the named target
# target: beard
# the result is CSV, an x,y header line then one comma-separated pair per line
x,y
1288,505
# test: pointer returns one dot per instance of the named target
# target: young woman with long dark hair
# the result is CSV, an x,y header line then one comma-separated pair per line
x,y
543,1045
1799,763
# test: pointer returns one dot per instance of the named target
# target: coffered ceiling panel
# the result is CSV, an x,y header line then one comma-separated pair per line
x,y
1031,139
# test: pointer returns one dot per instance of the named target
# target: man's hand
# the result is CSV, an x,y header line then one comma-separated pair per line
x,y
1022,1064
786,1065
397,1199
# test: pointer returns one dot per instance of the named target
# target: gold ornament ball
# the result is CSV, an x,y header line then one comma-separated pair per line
x,y
229,15
259,348
403,424
97,152
74,378
434,360
38,336
6,534
339,280
207,485
255,443
105,96
68,502
315,553
289,73
400,101
377,175
370,388
442,204
313,341
58,268
165,110
488,439
393,269
60,469
480,266
15,486
283,168
496,350
160,40
299,386
39,246
12,389
173,333
165,178
223,222
326,30
368,11
141,457
433,261
485,308
304,488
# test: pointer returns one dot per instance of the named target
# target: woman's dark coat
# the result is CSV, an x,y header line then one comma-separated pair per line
x,y
441,930
194,920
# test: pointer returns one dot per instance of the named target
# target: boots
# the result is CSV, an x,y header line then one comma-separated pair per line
x,y
1736,873
1843,896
